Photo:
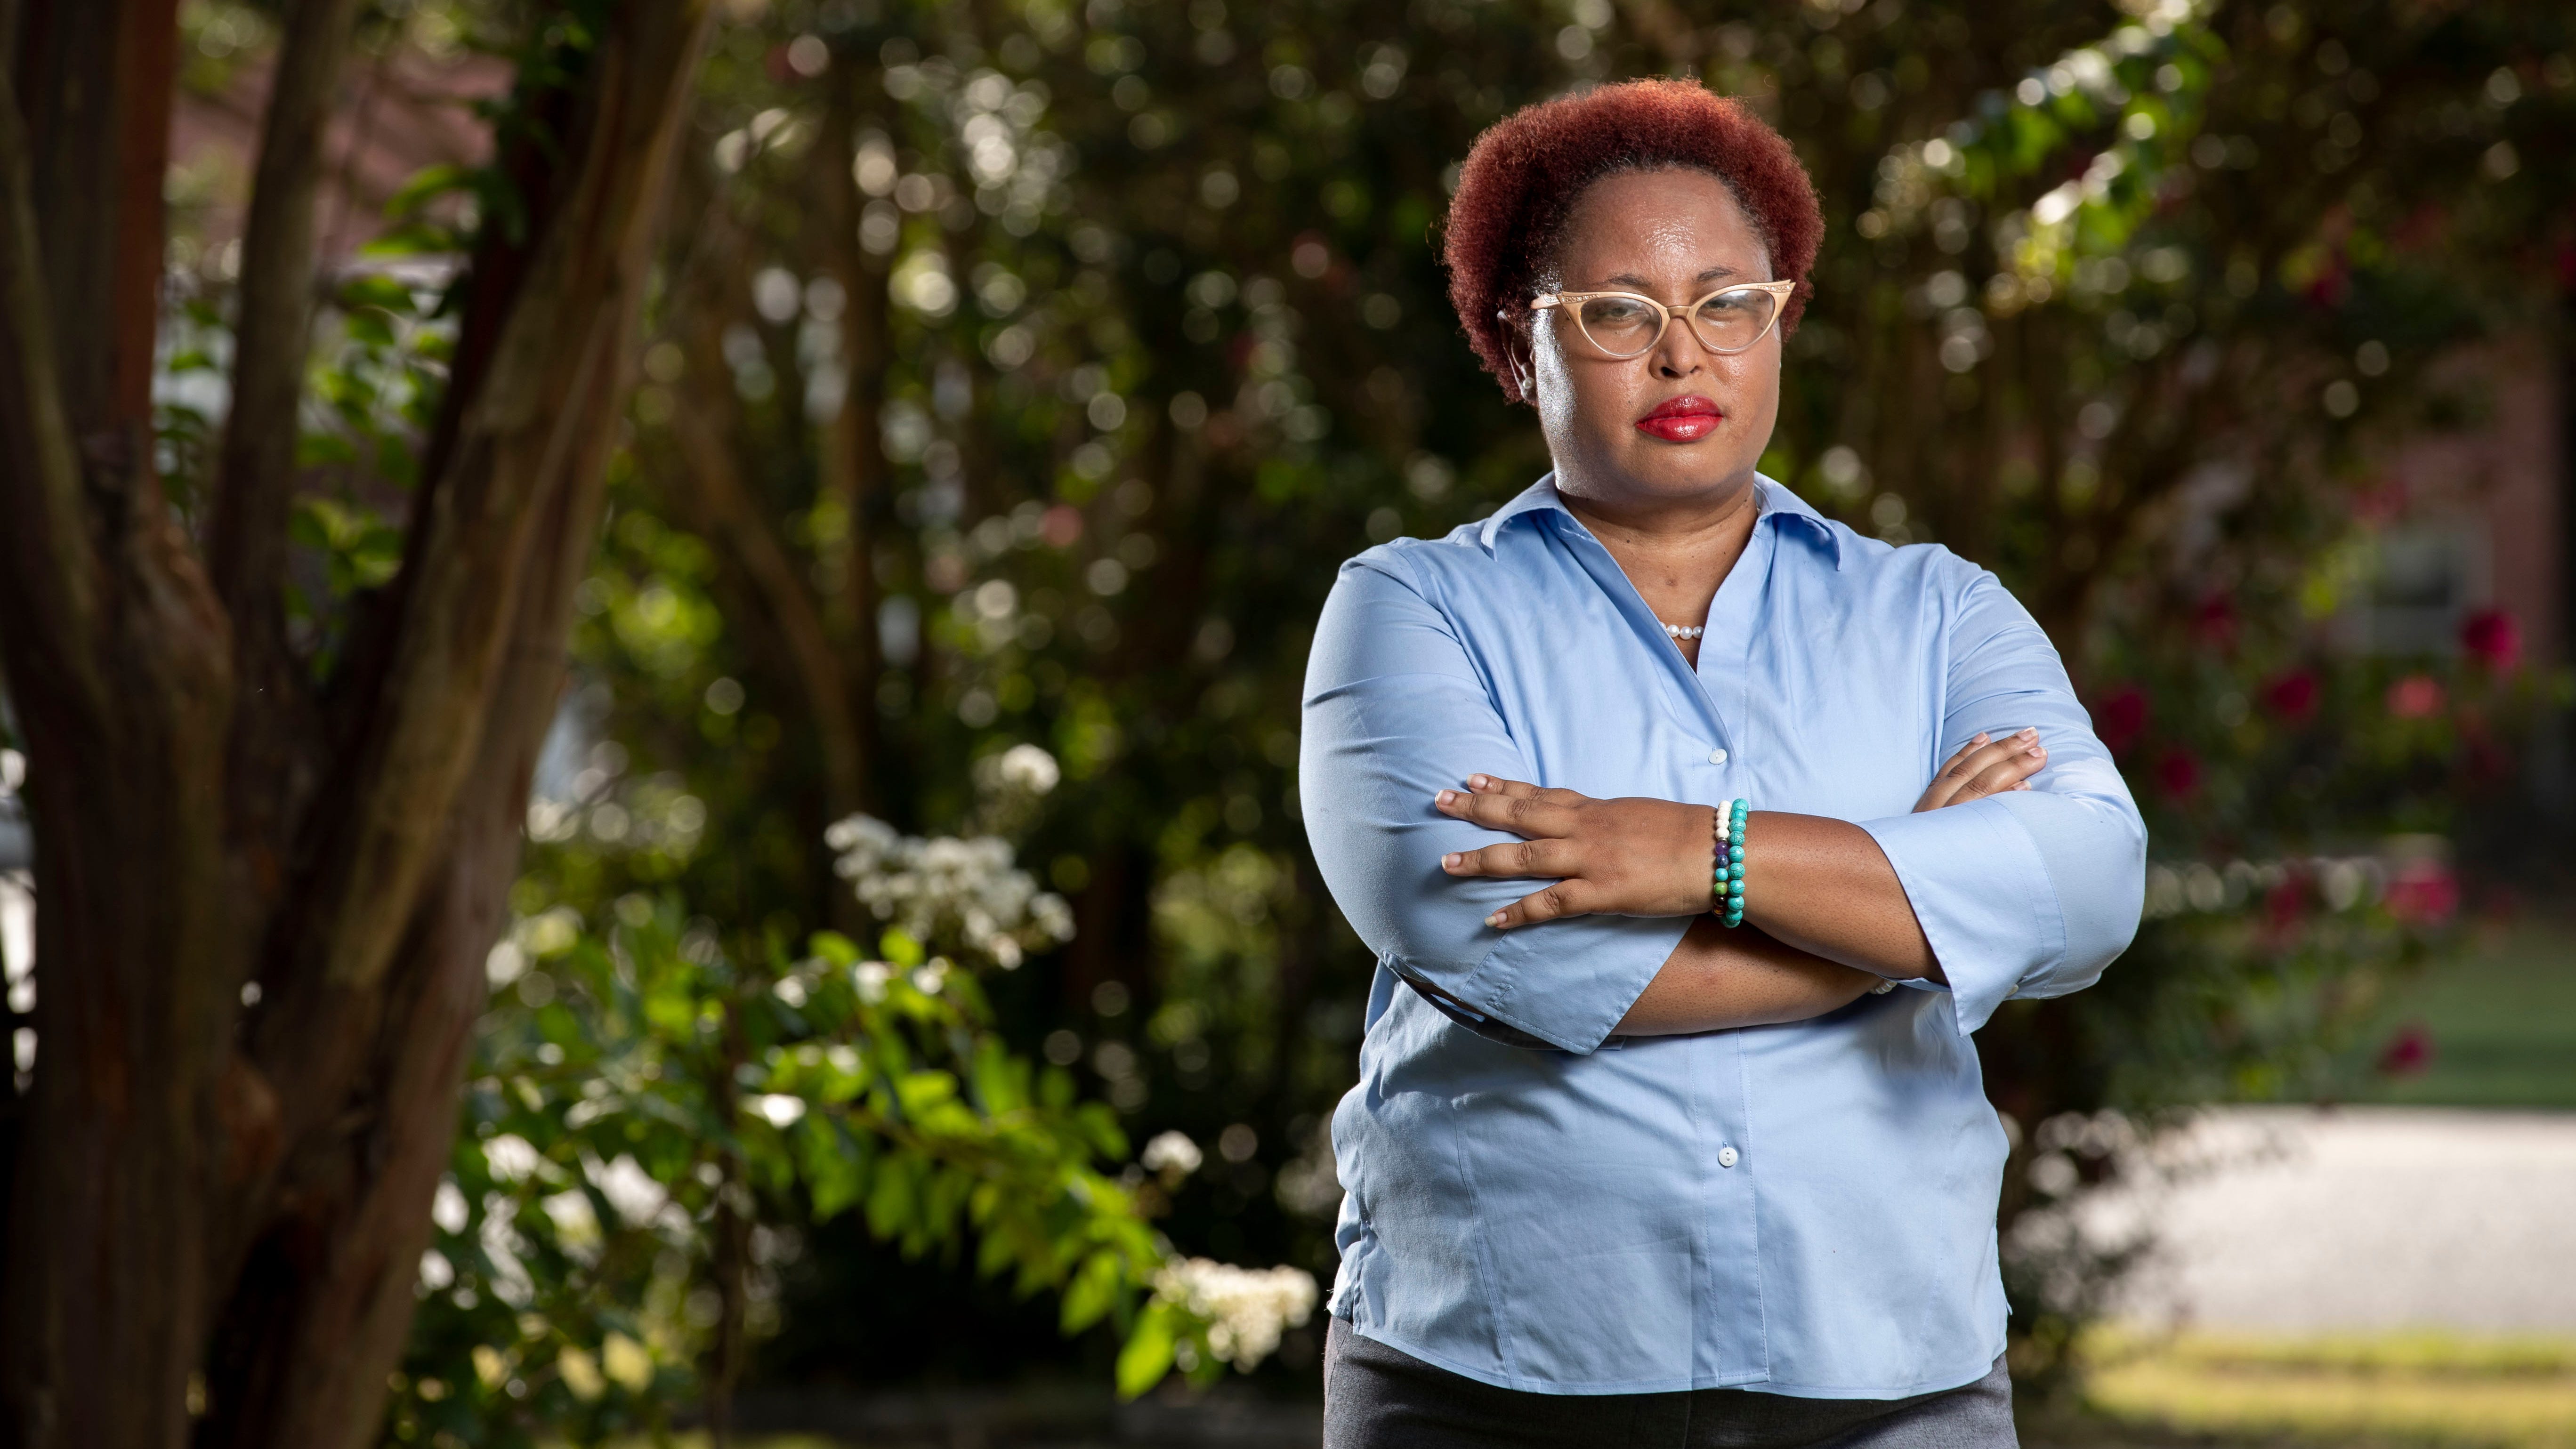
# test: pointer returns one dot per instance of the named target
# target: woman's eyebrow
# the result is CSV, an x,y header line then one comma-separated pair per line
x,y
1631,279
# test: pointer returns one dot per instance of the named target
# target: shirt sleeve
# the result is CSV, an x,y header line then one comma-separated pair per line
x,y
2030,893
1396,711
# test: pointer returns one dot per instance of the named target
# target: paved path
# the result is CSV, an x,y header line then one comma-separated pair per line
x,y
2365,1218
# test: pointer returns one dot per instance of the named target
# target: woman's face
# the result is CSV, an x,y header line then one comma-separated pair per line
x,y
1674,235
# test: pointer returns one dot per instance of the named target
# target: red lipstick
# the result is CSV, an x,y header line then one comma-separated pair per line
x,y
1685,419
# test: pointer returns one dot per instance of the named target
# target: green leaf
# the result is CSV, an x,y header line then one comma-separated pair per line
x,y
1091,1293
426,185
311,522
415,239
323,450
1147,1355
371,328
891,1203
993,1254
385,293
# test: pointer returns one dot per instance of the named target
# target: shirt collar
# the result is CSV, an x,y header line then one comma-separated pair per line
x,y
1772,503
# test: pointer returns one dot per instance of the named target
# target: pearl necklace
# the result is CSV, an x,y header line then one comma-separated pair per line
x,y
1683,631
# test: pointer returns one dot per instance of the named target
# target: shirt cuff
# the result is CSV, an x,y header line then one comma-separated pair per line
x,y
1568,982
1982,893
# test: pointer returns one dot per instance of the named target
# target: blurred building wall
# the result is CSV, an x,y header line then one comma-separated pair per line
x,y
2475,518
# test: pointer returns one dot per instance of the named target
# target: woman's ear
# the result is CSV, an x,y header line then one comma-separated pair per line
x,y
1516,351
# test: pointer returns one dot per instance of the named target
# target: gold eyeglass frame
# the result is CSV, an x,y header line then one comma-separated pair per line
x,y
1572,303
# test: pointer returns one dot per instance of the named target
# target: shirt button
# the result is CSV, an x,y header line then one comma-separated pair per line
x,y
1726,1157
1717,757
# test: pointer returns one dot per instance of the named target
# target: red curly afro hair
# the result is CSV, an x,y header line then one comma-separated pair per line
x,y
1523,176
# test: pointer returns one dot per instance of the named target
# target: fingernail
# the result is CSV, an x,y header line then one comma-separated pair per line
x,y
1495,919
1980,739
2038,752
1449,862
1477,782
1446,797
2021,784
2030,732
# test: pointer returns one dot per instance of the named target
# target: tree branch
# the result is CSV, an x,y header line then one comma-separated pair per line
x,y
256,473
50,580
520,429
722,508
853,448
311,1348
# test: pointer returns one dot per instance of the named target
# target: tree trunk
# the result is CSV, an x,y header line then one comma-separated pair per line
x,y
854,462
117,658
192,1173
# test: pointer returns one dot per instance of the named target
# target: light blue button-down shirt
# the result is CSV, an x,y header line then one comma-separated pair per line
x,y
1805,1209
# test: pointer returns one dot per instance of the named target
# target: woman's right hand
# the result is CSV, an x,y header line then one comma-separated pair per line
x,y
1985,766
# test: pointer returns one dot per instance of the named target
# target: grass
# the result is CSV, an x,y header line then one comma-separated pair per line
x,y
2392,1391
2502,1022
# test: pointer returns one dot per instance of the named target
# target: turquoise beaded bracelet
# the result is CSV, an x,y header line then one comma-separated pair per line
x,y
1726,872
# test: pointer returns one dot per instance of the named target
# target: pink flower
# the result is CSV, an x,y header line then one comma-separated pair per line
x,y
2492,638
2178,773
2424,892
1060,526
2415,697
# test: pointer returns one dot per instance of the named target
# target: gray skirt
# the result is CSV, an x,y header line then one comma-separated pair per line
x,y
1376,1397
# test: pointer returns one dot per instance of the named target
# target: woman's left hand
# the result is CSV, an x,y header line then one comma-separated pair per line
x,y
1632,856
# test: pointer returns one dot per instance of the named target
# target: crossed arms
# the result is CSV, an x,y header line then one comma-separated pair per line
x,y
1592,921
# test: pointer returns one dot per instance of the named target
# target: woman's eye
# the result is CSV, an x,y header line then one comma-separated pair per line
x,y
1614,313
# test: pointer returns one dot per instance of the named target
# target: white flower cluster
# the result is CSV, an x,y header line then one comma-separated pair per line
x,y
943,891
1173,1152
1246,1308
1023,769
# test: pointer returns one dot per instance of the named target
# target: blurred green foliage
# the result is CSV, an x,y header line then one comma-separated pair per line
x,y
1144,329
1018,372
649,1123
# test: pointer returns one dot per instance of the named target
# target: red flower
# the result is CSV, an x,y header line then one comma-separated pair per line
x,y
2286,904
2415,697
2215,622
2293,696
2285,909
2178,773
2332,285
2492,638
2409,1052
2120,717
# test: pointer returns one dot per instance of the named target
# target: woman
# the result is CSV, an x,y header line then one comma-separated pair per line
x,y
1613,1161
